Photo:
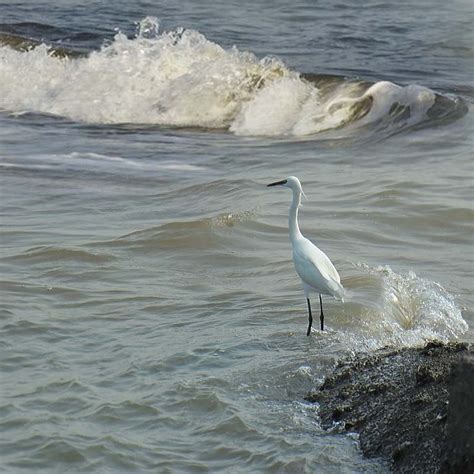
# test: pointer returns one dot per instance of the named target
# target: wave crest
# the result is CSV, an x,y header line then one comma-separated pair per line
x,y
182,79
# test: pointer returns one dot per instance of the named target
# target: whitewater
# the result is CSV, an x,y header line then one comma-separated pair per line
x,y
181,79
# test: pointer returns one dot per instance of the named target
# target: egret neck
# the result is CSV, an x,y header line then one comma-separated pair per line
x,y
295,233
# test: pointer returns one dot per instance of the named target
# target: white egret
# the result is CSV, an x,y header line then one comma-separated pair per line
x,y
312,265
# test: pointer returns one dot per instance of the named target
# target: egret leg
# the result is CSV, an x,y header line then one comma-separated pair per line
x,y
310,319
321,317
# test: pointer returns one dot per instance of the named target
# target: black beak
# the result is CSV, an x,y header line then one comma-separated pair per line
x,y
277,183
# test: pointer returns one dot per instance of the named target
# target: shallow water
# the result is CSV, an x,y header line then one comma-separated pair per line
x,y
151,316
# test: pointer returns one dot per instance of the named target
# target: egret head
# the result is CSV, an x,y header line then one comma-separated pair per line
x,y
291,182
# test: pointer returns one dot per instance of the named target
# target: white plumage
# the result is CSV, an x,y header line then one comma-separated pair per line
x,y
312,265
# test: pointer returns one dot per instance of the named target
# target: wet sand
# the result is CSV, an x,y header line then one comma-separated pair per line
x,y
410,406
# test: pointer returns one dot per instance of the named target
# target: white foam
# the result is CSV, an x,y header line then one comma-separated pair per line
x,y
386,94
84,160
406,311
180,78
276,108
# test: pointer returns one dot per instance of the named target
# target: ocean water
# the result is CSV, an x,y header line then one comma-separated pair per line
x,y
151,318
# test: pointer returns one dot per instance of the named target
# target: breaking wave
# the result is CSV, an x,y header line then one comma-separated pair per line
x,y
181,79
399,309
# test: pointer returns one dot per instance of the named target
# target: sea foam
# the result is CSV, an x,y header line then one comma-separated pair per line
x,y
402,309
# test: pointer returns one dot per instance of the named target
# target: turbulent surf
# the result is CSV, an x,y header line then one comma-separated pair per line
x,y
180,78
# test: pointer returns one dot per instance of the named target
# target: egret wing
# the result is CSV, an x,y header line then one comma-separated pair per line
x,y
315,269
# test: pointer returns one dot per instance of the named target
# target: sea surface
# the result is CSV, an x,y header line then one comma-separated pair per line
x,y
151,317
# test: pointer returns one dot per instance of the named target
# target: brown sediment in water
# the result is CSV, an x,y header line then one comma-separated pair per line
x,y
20,43
412,407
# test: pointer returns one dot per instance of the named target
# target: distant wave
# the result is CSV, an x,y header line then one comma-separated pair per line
x,y
181,79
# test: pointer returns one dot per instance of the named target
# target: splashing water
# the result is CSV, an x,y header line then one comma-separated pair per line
x,y
181,79
148,28
404,310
